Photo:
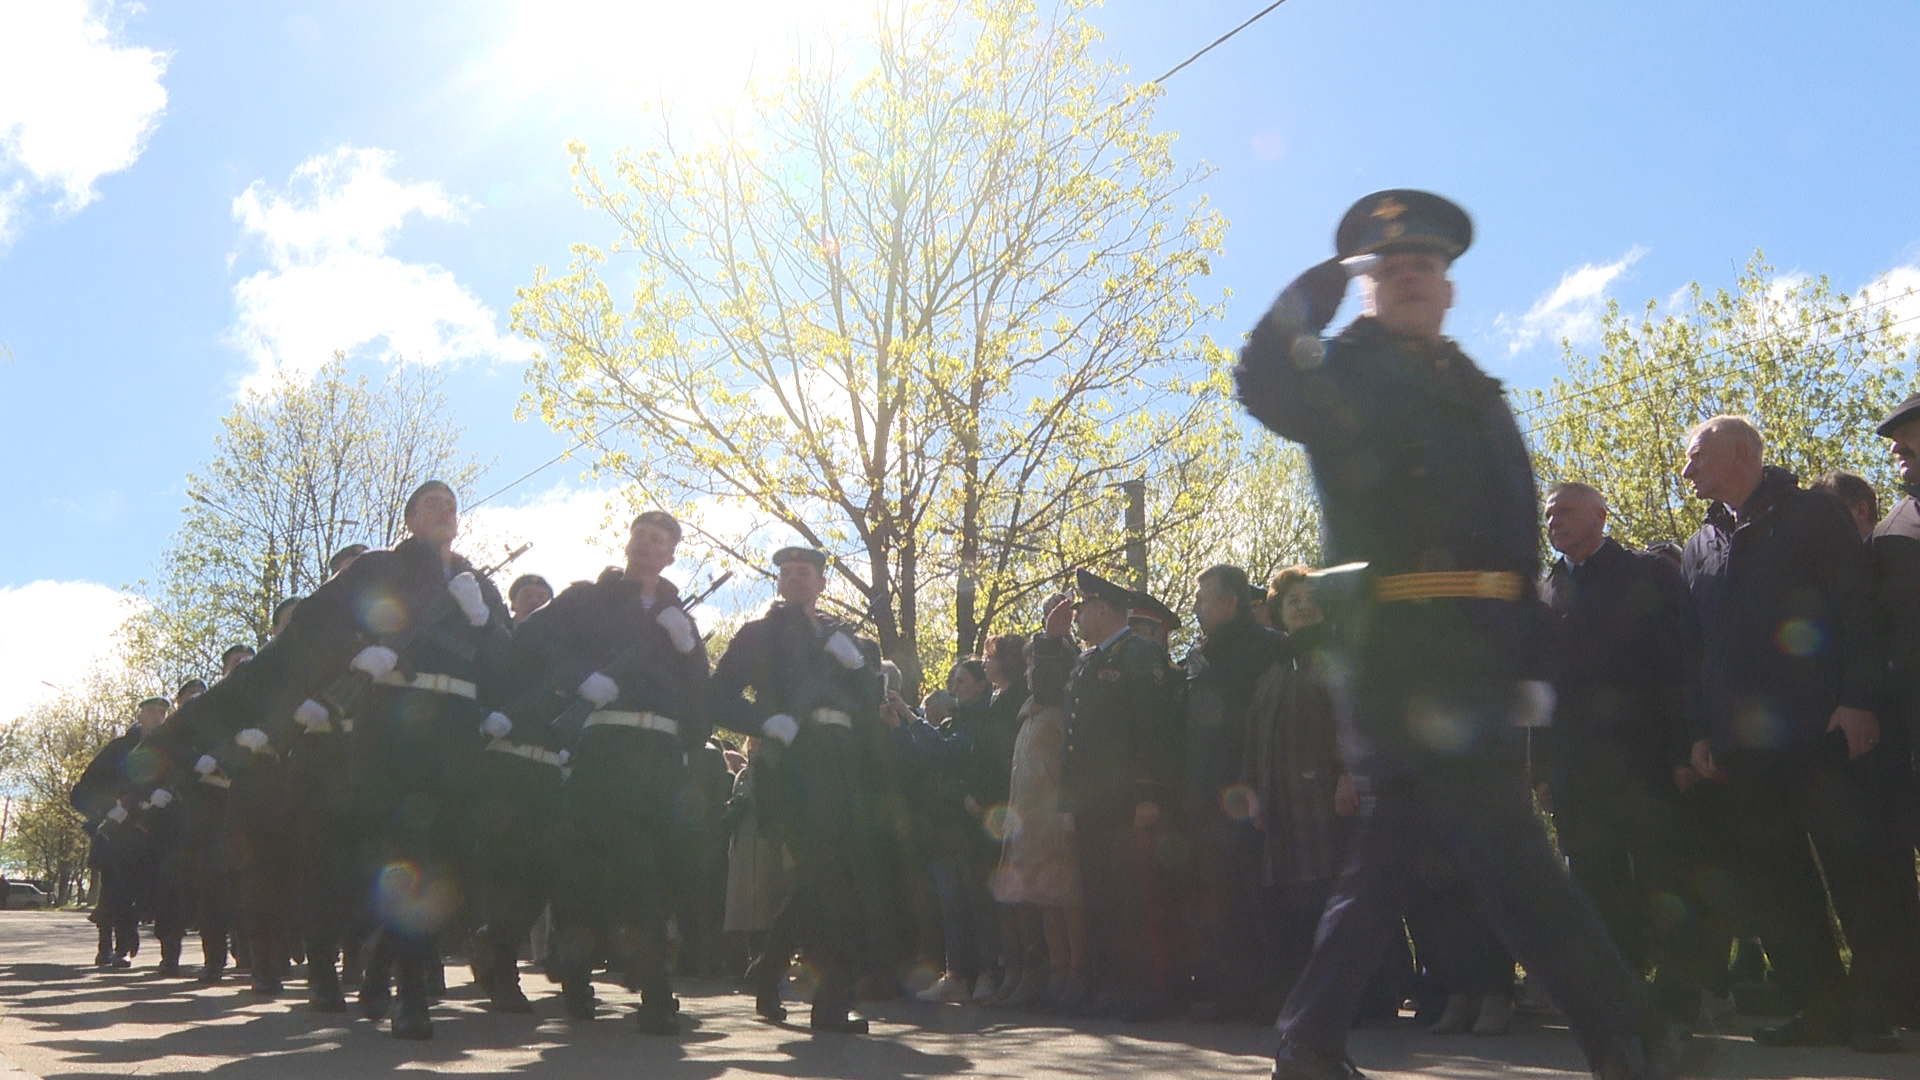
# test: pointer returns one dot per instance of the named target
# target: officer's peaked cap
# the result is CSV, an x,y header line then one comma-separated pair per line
x,y
1091,584
1147,606
1401,219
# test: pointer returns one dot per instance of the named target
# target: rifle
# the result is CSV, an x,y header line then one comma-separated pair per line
x,y
341,695
573,718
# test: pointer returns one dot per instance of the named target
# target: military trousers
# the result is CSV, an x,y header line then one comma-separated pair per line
x,y
616,852
1129,911
320,782
1476,806
209,886
263,857
515,806
822,794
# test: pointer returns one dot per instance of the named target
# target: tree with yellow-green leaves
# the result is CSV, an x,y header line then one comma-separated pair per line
x,y
300,470
923,302
1817,368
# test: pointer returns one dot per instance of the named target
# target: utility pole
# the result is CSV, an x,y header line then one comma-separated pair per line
x,y
1136,491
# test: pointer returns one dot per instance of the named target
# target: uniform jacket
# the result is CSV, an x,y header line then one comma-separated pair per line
x,y
1628,652
385,597
1419,468
1124,732
106,780
782,656
1785,601
605,626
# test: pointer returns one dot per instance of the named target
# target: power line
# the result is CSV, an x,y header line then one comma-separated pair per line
x,y
548,464
1217,41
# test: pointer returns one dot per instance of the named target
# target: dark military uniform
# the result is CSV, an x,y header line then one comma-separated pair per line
x,y
628,763
816,792
319,783
1423,474
414,737
1123,748
114,848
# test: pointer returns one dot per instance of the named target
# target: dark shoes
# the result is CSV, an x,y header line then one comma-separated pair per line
x,y
1803,1030
577,998
838,1023
657,1022
769,1006
1291,1061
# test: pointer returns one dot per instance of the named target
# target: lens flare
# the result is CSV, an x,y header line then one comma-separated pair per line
x,y
1799,637
1239,802
1001,822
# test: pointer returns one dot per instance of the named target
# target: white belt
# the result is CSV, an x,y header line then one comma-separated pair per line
x,y
532,753
666,725
439,684
344,725
216,780
833,718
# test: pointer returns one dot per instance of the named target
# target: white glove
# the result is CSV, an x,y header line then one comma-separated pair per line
x,y
311,714
496,725
599,690
1533,704
564,758
252,738
842,648
466,592
375,660
118,814
678,627
206,766
781,726
161,798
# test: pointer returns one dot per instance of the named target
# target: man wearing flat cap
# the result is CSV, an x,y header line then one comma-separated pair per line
x,y
816,690
1424,477
1120,784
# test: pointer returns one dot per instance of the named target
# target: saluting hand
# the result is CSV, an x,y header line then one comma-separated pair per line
x,y
1862,729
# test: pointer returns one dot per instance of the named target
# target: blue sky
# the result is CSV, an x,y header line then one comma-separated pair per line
x,y
189,192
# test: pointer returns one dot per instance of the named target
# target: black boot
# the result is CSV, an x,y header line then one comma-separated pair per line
x,y
503,981
376,992
658,1017
323,980
836,1019
169,959
103,957
213,956
411,1018
763,978
576,994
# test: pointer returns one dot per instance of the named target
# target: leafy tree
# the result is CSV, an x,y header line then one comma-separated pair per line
x,y
922,311
299,472
1817,368
42,755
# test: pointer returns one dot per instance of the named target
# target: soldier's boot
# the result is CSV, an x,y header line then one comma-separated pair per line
x,y
323,980
576,994
503,981
436,979
658,1015
213,958
169,959
763,977
412,1019
103,957
376,981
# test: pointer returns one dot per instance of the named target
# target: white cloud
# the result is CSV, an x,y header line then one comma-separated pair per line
x,y
51,632
574,532
1899,290
1572,309
330,284
75,104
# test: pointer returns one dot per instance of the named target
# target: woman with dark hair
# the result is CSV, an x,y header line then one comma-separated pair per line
x,y
1023,946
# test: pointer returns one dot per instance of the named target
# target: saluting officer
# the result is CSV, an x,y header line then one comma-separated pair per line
x,y
1423,475
1120,785
813,681
626,647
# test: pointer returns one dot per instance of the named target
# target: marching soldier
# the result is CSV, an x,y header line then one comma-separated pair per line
x,y
812,682
1120,783
110,789
1424,476
622,663
408,641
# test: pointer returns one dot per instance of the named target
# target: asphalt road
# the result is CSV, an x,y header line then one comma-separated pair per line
x,y
60,1018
